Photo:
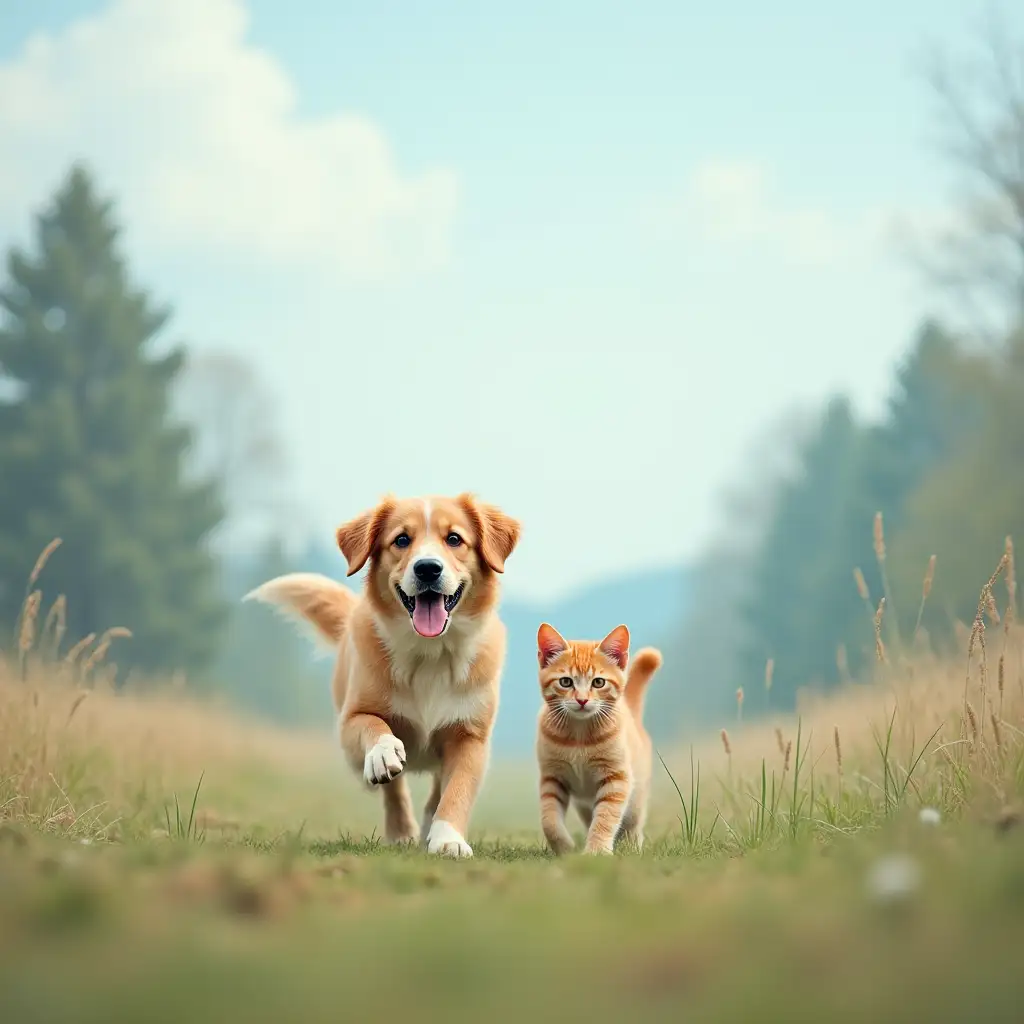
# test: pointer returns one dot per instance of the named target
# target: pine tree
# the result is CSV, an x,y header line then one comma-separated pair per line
x,y
792,593
88,450
963,510
934,407
805,603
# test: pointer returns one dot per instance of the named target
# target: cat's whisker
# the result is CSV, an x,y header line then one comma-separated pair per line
x,y
591,712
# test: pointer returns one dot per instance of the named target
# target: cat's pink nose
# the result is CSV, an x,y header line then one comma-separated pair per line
x,y
582,701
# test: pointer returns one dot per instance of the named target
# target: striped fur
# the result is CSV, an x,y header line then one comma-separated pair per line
x,y
592,748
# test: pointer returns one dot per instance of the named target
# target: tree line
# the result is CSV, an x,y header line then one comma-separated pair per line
x,y
162,471
153,464
849,511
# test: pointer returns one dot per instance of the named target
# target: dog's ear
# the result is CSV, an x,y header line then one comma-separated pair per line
x,y
358,537
616,646
497,533
549,644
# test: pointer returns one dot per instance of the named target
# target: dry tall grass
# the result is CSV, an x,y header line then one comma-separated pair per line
x,y
923,729
81,757
78,755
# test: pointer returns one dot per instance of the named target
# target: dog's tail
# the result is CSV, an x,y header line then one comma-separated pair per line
x,y
642,667
311,597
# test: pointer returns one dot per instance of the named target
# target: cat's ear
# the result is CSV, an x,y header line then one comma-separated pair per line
x,y
549,644
616,646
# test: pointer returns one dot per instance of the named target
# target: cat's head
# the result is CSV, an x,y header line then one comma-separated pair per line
x,y
580,679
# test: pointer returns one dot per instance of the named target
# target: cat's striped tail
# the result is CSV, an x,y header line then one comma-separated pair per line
x,y
642,667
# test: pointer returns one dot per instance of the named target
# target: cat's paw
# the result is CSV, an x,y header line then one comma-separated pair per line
x,y
561,844
445,841
384,760
599,849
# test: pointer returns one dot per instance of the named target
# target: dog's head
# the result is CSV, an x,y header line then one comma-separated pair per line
x,y
431,559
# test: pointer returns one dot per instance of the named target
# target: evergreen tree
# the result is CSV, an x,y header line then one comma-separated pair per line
x,y
803,601
88,451
792,592
936,407
963,511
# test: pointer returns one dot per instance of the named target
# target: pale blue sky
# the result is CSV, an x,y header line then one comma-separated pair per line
x,y
572,256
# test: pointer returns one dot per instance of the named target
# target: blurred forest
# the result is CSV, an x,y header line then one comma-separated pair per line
x,y
786,597
164,472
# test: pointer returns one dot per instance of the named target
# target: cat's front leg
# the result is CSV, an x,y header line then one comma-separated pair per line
x,y
554,800
609,808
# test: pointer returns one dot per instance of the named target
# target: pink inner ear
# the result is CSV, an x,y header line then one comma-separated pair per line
x,y
549,646
548,653
616,647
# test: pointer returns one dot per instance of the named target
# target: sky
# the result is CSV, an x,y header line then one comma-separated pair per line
x,y
573,257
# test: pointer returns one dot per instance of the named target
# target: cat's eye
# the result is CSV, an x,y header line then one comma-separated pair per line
x,y
453,540
565,682
402,541
598,683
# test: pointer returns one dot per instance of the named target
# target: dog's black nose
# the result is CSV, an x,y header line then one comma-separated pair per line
x,y
428,570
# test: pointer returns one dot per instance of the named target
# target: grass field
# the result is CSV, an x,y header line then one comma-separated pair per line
x,y
162,859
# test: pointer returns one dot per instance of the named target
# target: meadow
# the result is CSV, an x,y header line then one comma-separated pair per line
x,y
163,858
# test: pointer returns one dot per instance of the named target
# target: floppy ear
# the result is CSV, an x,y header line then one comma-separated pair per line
x,y
549,644
358,537
498,533
616,646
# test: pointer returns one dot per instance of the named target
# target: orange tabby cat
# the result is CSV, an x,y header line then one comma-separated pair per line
x,y
591,742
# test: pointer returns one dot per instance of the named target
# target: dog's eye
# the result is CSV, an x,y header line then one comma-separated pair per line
x,y
565,682
453,540
597,683
402,540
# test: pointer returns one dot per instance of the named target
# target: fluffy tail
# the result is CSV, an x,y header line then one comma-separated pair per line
x,y
642,667
311,597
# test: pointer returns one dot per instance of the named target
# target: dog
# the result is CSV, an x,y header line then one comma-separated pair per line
x,y
419,654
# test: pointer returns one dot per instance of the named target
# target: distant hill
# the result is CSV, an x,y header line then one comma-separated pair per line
x,y
651,603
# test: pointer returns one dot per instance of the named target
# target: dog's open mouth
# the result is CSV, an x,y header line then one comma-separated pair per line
x,y
430,610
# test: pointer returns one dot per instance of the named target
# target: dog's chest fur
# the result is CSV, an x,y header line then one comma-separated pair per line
x,y
430,687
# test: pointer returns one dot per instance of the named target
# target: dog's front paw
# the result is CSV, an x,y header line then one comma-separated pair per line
x,y
384,760
443,840
412,839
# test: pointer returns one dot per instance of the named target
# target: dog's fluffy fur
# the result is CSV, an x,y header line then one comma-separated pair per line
x,y
420,653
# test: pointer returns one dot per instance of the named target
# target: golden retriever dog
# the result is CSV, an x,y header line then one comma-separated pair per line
x,y
420,653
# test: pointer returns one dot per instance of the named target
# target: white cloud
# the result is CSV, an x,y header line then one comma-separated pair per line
x,y
196,132
734,204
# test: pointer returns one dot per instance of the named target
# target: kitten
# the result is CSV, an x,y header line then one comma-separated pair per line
x,y
591,743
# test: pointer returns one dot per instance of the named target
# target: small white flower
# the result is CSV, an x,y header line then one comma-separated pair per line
x,y
85,842
929,816
894,878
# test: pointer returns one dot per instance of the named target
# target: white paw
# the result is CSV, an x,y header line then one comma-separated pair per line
x,y
384,760
443,840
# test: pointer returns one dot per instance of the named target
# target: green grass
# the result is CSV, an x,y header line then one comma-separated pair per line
x,y
239,899
185,828
802,885
331,929
753,897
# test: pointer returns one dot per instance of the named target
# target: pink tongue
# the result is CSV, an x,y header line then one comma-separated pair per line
x,y
429,615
